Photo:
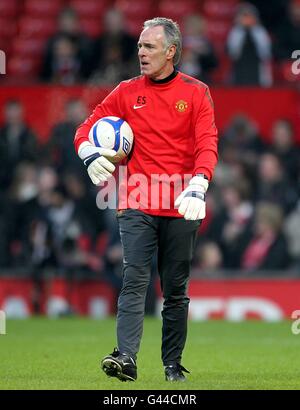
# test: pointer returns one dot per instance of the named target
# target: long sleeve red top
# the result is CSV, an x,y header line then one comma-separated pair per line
x,y
174,136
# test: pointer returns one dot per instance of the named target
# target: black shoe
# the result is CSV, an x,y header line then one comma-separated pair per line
x,y
174,373
119,365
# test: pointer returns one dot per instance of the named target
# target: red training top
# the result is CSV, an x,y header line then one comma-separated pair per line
x,y
175,137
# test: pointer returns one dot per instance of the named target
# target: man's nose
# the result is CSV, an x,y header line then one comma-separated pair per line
x,y
141,51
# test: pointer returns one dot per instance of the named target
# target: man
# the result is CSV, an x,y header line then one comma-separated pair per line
x,y
249,48
18,143
68,45
114,54
62,135
172,118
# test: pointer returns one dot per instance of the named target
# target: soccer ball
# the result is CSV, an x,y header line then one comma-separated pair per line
x,y
112,133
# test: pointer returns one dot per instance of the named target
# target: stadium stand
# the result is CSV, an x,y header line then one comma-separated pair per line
x,y
258,147
27,25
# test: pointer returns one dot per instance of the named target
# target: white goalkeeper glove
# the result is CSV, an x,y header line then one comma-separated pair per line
x,y
191,201
96,160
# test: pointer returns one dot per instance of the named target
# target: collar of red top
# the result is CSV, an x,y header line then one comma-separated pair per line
x,y
165,81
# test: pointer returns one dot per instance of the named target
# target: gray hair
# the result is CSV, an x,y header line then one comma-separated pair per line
x,y
172,34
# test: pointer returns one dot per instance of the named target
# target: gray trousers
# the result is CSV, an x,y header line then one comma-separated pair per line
x,y
141,235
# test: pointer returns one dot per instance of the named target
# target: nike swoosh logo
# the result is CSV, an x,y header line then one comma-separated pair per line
x,y
135,107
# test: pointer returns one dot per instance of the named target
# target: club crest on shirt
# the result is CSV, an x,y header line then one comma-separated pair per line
x,y
181,106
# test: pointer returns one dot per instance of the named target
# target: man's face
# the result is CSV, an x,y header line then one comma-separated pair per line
x,y
156,61
13,113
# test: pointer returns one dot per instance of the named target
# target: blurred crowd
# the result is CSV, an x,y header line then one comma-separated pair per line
x,y
253,220
49,217
258,43
48,213
256,49
71,56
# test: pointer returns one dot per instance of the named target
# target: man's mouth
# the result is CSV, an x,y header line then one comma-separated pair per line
x,y
144,64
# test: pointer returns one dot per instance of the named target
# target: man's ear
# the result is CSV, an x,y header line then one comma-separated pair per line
x,y
171,52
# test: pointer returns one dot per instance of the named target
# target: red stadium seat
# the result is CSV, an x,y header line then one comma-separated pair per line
x,y
42,8
20,66
9,8
287,74
101,243
28,47
5,46
136,8
217,31
33,26
222,9
7,27
134,26
91,26
177,9
89,8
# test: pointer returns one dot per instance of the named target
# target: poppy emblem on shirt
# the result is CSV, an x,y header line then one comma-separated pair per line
x,y
181,106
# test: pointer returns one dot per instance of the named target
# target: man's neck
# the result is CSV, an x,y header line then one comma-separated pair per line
x,y
165,79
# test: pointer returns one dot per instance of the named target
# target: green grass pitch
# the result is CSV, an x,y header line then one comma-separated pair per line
x,y
63,354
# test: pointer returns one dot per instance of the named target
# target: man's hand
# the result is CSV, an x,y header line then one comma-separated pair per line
x,y
191,201
96,160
